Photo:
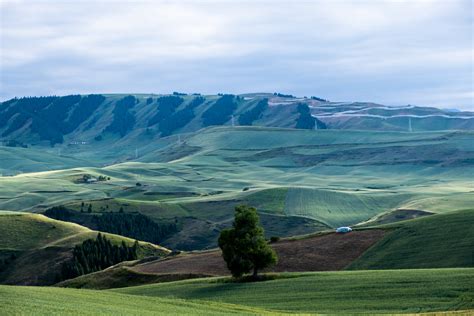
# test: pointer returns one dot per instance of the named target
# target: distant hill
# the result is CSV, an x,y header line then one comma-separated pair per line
x,y
90,119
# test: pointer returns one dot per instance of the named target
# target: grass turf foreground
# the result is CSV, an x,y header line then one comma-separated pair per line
x,y
347,292
378,291
20,300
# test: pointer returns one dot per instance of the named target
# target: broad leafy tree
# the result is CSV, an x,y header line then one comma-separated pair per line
x,y
244,247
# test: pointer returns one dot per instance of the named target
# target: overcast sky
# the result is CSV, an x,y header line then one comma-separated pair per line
x,y
391,52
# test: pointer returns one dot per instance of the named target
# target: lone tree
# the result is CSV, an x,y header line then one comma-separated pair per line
x,y
244,247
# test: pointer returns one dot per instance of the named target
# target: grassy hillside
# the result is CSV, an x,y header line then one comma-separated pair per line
x,y
322,252
24,231
122,275
301,181
392,291
57,301
77,119
437,241
34,247
15,160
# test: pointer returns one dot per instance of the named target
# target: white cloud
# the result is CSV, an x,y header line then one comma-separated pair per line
x,y
336,49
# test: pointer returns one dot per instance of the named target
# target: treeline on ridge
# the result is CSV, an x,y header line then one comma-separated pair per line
x,y
51,117
306,120
133,225
220,111
167,105
123,120
255,113
180,118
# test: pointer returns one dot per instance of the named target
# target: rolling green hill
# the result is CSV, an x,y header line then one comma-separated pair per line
x,y
438,241
391,291
15,160
301,181
171,168
33,247
24,231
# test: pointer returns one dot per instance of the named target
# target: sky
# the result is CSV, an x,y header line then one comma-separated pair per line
x,y
391,52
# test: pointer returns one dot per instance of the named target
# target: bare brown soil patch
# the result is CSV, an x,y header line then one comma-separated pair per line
x,y
318,253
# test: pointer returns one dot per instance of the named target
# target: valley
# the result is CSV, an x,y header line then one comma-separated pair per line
x,y
169,170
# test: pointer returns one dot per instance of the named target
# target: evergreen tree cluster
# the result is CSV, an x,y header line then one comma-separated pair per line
x,y
137,226
281,95
26,108
133,225
255,113
83,111
180,118
306,120
49,116
123,120
60,213
220,111
319,99
95,255
167,105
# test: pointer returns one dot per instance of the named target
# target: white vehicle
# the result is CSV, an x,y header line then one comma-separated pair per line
x,y
343,230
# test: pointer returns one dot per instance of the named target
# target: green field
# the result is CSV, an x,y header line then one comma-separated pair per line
x,y
330,177
414,188
56,301
437,241
390,291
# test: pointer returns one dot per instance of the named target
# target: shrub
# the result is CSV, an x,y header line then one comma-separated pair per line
x,y
274,239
